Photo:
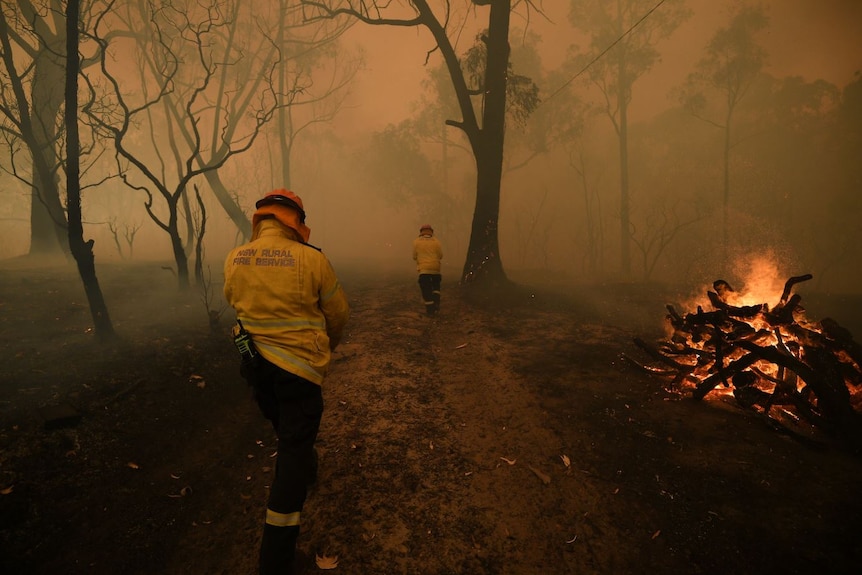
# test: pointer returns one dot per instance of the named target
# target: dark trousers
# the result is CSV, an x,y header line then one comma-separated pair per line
x,y
430,286
294,406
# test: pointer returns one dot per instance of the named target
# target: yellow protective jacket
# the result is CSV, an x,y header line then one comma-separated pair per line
x,y
288,298
427,253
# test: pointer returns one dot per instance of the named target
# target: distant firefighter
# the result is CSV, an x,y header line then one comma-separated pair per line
x,y
291,312
427,253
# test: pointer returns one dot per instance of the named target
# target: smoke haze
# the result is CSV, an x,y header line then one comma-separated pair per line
x,y
541,222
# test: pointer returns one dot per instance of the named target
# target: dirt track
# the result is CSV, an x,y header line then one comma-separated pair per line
x,y
443,447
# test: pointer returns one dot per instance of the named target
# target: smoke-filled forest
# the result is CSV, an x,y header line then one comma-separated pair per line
x,y
614,164
629,195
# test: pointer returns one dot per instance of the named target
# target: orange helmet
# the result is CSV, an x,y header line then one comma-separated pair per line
x,y
283,198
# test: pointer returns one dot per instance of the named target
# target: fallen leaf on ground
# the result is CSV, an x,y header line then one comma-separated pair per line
x,y
183,492
656,534
545,479
6,491
566,461
133,465
325,562
462,346
509,461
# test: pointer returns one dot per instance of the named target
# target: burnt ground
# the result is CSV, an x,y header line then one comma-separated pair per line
x,y
443,446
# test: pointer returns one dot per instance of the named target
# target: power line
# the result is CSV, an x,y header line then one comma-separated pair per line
x,y
605,51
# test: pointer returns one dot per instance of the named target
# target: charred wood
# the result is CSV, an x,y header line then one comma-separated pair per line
x,y
702,318
788,286
723,289
821,374
783,312
674,317
648,368
843,339
748,311
657,355
814,374
709,383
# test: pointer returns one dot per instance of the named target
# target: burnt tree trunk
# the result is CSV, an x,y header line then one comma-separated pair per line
x,y
483,253
35,116
81,250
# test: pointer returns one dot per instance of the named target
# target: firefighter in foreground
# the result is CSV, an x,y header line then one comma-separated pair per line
x,y
291,312
427,254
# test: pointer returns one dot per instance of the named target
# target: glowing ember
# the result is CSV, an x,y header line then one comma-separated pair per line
x,y
771,359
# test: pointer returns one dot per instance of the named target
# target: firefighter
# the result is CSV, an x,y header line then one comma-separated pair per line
x,y
288,299
427,254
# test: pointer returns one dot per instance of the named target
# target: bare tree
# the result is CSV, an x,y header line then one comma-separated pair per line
x,y
308,48
592,212
81,250
731,62
199,219
209,297
32,47
536,231
261,37
485,129
661,226
185,46
32,71
623,34
129,233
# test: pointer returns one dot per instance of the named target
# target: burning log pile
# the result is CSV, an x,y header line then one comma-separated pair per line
x,y
771,359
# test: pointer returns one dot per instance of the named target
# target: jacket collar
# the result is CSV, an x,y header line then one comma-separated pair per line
x,y
273,227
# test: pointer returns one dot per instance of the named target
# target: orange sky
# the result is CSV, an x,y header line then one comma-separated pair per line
x,y
811,38
816,38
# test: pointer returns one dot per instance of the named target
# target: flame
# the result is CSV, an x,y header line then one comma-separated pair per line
x,y
714,354
762,283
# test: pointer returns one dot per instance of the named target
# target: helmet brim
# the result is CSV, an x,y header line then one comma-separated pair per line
x,y
279,200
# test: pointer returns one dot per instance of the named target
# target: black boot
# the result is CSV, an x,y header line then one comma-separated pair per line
x,y
278,550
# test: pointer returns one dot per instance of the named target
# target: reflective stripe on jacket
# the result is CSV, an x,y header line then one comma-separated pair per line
x,y
427,252
288,298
